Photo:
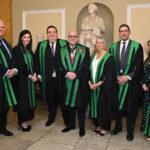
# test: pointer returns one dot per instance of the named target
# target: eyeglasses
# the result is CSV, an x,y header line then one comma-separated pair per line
x,y
72,36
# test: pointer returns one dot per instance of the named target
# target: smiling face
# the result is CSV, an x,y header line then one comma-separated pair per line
x,y
124,33
2,28
100,45
26,39
52,34
73,38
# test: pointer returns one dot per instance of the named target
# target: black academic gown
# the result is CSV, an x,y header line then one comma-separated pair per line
x,y
135,72
21,81
3,102
82,73
3,70
107,95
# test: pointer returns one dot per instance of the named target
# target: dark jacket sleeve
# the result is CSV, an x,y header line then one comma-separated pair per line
x,y
83,69
137,69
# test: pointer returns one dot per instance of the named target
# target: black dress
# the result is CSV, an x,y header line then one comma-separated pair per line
x,y
24,87
146,99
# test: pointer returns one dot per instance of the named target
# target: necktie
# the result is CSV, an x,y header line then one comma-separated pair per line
x,y
123,51
72,55
5,46
52,49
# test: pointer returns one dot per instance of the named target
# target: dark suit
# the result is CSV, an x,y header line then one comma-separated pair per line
x,y
130,106
4,108
52,83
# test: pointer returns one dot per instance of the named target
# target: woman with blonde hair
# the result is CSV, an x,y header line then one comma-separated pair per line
x,y
103,85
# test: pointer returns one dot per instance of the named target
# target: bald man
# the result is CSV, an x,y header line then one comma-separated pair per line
x,y
75,64
7,71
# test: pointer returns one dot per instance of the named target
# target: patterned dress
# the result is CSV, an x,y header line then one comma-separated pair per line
x,y
146,107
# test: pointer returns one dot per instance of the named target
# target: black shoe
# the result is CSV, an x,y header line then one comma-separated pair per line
x,y
130,137
48,123
82,133
115,131
6,132
30,127
67,129
24,129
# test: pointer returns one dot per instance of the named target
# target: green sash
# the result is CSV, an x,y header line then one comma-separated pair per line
x,y
99,73
42,49
72,85
124,87
31,88
10,96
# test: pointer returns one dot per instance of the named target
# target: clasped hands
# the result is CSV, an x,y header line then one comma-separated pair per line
x,y
33,77
122,79
94,86
71,75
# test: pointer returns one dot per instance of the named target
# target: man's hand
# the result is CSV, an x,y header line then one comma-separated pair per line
x,y
10,73
122,79
71,75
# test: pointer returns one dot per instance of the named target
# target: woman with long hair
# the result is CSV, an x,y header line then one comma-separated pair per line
x,y
24,82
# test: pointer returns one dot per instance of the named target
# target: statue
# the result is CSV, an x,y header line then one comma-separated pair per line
x,y
92,27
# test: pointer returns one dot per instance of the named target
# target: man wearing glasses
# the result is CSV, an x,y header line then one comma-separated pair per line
x,y
75,64
129,60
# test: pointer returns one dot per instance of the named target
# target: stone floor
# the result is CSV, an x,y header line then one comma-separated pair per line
x,y
51,138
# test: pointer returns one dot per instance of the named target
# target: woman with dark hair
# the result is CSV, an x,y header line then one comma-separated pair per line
x,y
146,87
24,83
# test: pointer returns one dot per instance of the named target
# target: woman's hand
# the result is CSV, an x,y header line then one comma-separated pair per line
x,y
145,88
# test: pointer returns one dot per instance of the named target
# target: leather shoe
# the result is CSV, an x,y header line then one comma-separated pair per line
x,y
130,137
48,123
115,131
82,133
67,129
6,132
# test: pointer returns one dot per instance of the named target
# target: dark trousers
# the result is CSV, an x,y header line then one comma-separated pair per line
x,y
70,117
131,119
3,118
52,96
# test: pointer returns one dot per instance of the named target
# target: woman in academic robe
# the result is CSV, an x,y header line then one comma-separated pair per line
x,y
24,83
146,87
103,85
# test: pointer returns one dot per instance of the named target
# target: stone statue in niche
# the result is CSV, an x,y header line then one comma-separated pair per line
x,y
92,27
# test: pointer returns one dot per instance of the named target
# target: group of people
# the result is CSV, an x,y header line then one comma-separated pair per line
x,y
110,81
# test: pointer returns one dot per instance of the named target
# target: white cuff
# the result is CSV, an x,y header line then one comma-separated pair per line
x,y
129,77
16,71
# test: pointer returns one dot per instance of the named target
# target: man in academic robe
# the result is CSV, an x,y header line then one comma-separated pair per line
x,y
128,55
48,70
7,71
75,60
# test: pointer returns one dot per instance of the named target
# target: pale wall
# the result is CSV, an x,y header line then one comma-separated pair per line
x,y
73,7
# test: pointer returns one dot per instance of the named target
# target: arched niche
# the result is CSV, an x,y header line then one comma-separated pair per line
x,y
106,14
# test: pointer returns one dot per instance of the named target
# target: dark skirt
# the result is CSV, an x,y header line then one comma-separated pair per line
x,y
25,116
146,120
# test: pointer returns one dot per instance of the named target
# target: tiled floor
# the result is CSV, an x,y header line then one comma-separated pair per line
x,y
51,138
